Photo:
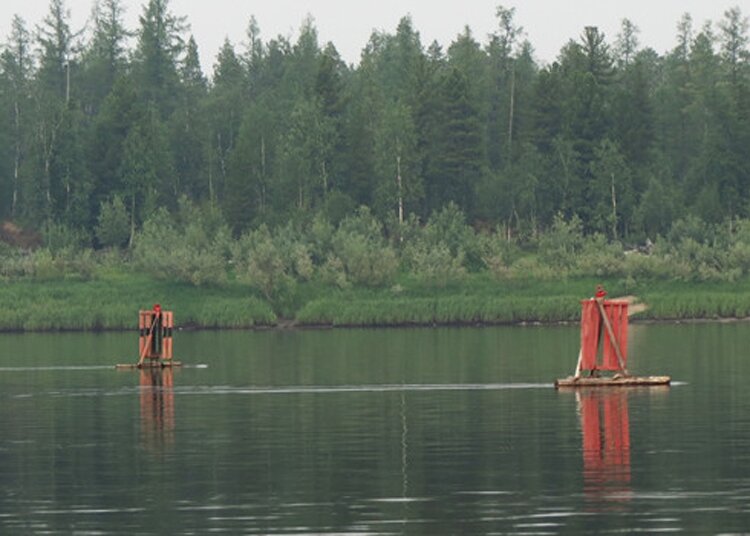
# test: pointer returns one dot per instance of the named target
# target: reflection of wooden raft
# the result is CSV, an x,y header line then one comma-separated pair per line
x,y
605,321
155,340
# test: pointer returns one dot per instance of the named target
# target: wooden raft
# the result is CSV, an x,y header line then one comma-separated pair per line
x,y
614,381
148,365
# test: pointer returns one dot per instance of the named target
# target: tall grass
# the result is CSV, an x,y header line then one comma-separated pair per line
x,y
440,310
112,302
697,304
112,299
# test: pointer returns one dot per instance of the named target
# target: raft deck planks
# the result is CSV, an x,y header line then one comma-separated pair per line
x,y
148,365
621,381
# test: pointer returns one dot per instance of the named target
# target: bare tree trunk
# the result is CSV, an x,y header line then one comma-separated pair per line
x,y
222,157
614,209
400,190
17,156
262,200
132,221
211,197
511,113
324,174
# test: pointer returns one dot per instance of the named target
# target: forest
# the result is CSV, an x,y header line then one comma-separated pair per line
x,y
286,162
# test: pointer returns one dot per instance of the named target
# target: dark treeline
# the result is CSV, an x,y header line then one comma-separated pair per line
x,y
613,133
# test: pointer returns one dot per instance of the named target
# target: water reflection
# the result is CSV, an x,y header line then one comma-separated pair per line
x,y
605,427
157,407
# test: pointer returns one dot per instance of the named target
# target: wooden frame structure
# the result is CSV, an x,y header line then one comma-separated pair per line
x,y
604,323
155,328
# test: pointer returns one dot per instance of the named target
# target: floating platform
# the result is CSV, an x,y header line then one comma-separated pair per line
x,y
149,365
614,381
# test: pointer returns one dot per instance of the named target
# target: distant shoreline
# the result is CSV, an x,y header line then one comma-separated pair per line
x,y
112,304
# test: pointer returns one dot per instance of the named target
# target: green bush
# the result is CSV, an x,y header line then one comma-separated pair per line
x,y
600,258
260,262
448,226
560,247
58,236
197,255
113,224
366,257
498,254
531,268
436,264
333,273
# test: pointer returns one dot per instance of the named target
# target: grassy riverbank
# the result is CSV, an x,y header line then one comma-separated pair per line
x,y
111,301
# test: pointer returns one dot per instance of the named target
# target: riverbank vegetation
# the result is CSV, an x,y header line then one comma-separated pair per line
x,y
361,273
465,184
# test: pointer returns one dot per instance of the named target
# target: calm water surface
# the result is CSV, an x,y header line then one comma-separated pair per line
x,y
418,431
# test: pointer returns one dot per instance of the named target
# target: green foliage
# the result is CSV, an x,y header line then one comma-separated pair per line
x,y
260,262
113,225
498,253
444,310
561,246
570,163
442,250
361,249
59,236
196,253
463,134
113,300
436,264
45,264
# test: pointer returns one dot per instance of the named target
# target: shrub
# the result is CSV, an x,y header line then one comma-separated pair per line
x,y
498,254
448,226
561,245
260,263
58,236
361,248
531,268
197,255
333,273
436,264
600,258
113,225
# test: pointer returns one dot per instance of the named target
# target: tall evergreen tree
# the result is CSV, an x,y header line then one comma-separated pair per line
x,y
16,65
53,114
160,46
456,165
104,59
188,125
225,104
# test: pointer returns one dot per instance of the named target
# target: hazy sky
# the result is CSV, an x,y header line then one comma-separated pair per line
x,y
548,24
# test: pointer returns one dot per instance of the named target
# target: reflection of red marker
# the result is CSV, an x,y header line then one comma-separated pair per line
x,y
606,447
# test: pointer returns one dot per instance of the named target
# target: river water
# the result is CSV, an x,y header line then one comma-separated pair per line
x,y
401,431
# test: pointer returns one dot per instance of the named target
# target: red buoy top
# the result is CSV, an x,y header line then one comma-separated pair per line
x,y
157,308
600,292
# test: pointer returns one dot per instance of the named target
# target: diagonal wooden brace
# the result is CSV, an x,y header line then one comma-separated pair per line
x,y
611,334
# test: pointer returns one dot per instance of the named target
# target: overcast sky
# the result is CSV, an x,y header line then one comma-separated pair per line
x,y
548,24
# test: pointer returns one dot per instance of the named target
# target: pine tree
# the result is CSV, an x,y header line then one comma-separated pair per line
x,y
16,65
104,59
456,165
160,45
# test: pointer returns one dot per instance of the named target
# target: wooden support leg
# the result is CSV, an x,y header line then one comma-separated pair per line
x,y
577,373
